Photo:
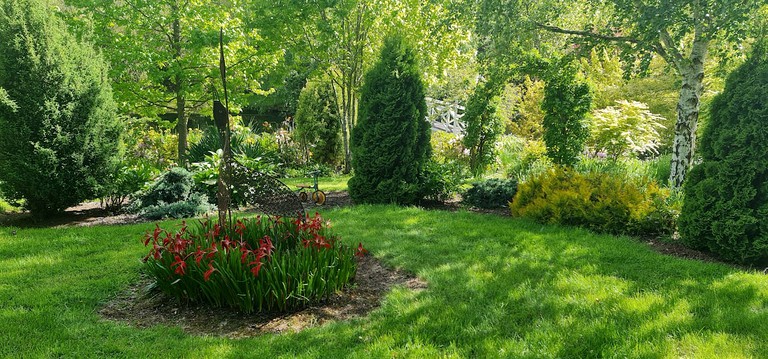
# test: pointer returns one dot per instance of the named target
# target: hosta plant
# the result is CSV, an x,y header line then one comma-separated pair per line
x,y
257,264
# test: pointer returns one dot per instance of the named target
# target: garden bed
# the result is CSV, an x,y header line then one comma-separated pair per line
x,y
137,307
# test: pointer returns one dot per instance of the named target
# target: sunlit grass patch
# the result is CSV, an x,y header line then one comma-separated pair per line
x,y
497,287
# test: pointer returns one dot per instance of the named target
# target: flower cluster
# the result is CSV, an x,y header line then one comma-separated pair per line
x,y
225,265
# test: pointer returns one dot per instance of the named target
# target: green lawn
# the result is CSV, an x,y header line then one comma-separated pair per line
x,y
498,287
326,184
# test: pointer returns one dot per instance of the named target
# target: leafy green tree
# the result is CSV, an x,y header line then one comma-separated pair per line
x,y
520,108
318,122
566,104
726,196
390,144
61,142
484,125
681,32
164,55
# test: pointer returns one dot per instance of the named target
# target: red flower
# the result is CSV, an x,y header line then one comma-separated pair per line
x,y
265,245
213,250
207,274
255,270
360,250
240,228
198,255
157,251
157,232
245,254
180,265
226,243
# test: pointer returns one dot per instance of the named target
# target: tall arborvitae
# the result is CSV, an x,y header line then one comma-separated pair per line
x,y
726,196
390,143
60,141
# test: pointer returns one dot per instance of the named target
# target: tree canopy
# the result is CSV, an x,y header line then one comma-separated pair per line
x,y
680,32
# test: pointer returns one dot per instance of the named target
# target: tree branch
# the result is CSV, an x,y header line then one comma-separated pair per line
x,y
668,48
589,34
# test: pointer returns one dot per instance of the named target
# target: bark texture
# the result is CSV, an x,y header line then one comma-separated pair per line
x,y
688,105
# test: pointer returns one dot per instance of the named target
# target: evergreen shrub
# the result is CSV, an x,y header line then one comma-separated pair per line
x,y
171,195
725,208
318,123
491,193
566,105
390,143
59,140
598,201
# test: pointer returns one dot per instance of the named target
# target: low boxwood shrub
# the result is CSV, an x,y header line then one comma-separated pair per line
x,y
259,264
490,193
171,195
601,202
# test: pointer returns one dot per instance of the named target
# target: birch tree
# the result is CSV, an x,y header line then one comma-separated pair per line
x,y
681,32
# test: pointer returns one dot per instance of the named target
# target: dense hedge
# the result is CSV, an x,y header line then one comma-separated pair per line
x,y
491,193
726,196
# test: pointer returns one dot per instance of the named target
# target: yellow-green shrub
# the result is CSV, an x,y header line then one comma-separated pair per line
x,y
602,202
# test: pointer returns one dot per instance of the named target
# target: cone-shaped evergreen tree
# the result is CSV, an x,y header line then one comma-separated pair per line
x,y
60,141
318,122
726,196
390,143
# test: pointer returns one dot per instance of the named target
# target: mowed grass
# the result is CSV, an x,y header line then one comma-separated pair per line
x,y
498,287
326,184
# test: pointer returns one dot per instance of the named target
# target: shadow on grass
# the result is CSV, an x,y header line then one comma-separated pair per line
x,y
498,287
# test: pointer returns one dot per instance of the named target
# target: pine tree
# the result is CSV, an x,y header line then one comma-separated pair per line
x,y
61,140
726,196
390,143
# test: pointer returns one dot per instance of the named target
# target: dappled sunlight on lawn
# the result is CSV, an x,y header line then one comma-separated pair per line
x,y
497,287
557,292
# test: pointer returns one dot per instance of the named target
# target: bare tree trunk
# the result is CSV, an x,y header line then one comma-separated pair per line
x,y
688,106
345,130
181,103
181,129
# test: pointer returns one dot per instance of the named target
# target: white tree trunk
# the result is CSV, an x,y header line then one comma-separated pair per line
x,y
688,105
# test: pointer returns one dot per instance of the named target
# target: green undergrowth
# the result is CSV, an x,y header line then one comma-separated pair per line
x,y
497,287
